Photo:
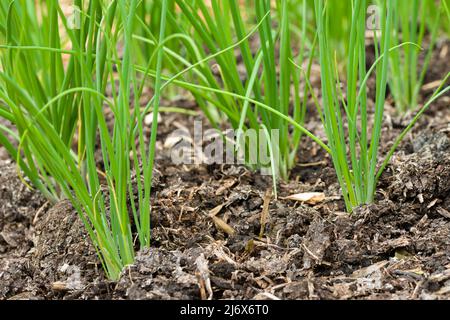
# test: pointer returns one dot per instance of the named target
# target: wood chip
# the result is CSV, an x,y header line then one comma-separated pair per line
x,y
222,225
432,203
148,120
265,296
401,242
431,85
214,212
420,197
443,212
311,198
367,271
265,211
60,286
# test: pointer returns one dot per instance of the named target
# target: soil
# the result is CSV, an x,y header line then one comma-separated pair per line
x,y
218,233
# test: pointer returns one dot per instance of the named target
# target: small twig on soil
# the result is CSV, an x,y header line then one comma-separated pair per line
x,y
38,213
129,275
203,277
310,252
265,244
313,164
418,287
311,289
265,212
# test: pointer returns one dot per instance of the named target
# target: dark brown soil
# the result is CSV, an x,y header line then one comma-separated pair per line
x,y
209,240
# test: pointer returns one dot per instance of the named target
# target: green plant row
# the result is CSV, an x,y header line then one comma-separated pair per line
x,y
55,107
247,67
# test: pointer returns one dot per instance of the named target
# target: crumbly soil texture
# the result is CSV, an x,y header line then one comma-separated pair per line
x,y
219,233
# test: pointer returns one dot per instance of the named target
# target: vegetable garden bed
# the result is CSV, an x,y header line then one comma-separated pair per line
x,y
166,230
